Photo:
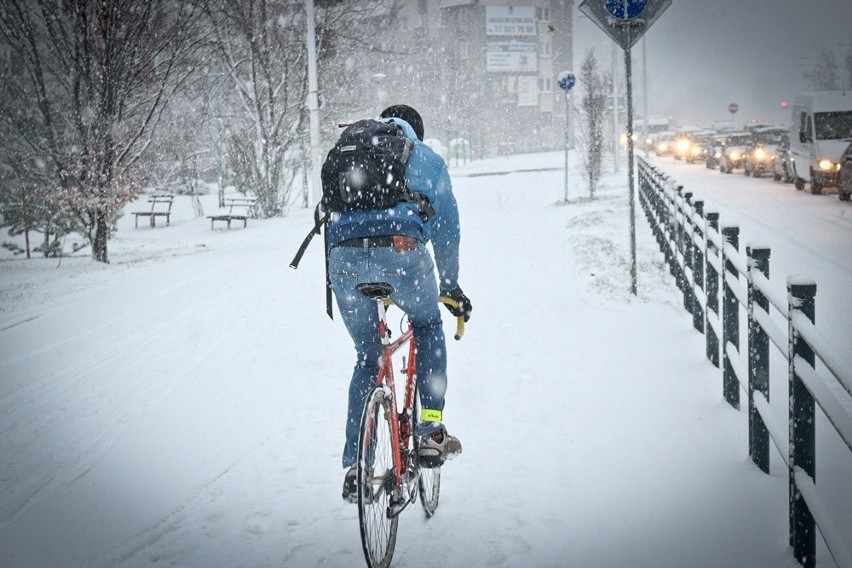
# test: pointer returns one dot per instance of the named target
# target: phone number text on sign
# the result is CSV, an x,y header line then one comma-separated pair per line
x,y
510,20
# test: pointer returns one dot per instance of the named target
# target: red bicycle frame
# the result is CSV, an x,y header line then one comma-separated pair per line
x,y
401,429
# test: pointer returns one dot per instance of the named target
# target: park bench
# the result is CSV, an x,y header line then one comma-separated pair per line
x,y
238,209
161,206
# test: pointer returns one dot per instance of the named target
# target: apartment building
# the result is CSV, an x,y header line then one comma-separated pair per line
x,y
482,70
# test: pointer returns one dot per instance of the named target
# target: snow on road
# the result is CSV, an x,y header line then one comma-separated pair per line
x,y
184,406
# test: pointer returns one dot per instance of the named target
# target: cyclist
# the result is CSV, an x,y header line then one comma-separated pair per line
x,y
389,245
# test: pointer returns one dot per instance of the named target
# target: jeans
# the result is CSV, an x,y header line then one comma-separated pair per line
x,y
412,275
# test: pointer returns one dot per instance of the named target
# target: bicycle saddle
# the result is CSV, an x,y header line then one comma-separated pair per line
x,y
375,290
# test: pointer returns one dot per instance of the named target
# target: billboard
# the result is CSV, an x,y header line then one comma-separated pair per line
x,y
510,20
528,91
511,57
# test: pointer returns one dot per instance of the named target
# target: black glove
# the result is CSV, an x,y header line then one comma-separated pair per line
x,y
465,306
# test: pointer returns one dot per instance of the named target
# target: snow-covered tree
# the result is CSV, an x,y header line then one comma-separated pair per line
x,y
260,46
593,109
96,78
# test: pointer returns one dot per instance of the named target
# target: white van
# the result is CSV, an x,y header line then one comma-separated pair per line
x,y
821,131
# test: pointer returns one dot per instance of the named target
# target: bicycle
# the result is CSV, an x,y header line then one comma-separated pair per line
x,y
389,474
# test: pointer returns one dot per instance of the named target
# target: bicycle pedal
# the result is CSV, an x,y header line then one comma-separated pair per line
x,y
431,462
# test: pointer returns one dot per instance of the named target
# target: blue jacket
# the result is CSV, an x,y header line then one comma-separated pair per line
x,y
426,174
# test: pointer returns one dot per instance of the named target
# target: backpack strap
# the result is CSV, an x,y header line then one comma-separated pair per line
x,y
320,219
423,205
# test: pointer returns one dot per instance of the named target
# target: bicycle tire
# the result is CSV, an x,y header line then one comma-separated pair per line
x,y
376,476
429,479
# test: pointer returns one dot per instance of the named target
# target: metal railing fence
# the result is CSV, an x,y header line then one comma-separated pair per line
x,y
719,282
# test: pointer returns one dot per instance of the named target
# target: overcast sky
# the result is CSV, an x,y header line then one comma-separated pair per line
x,y
705,54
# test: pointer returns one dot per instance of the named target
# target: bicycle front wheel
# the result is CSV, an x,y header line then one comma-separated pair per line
x,y
377,479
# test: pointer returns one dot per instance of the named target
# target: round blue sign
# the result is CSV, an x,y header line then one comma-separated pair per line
x,y
566,81
626,9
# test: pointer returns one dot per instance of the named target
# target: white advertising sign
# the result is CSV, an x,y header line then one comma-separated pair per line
x,y
528,91
511,58
510,20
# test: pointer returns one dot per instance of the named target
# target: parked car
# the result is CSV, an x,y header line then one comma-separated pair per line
x,y
734,149
764,147
845,187
782,165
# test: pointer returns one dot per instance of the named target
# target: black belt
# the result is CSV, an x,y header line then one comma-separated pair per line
x,y
368,242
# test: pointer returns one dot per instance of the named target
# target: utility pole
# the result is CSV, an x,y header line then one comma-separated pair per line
x,y
313,105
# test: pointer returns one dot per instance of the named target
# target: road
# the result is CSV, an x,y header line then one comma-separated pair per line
x,y
807,234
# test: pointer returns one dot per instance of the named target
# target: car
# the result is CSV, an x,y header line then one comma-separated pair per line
x,y
663,142
820,129
699,147
845,187
683,142
713,151
734,149
782,165
763,149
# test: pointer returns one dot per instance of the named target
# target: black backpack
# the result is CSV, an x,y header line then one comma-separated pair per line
x,y
366,168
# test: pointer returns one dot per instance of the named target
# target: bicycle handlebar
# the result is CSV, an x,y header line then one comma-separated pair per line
x,y
450,302
459,319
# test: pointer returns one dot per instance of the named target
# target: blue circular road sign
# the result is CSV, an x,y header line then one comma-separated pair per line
x,y
566,81
626,9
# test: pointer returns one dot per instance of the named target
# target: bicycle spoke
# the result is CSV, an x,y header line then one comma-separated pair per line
x,y
429,486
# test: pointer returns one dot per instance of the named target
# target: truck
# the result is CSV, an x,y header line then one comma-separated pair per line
x,y
821,130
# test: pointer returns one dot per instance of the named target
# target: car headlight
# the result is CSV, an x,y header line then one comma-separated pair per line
x,y
717,154
662,146
735,155
827,165
760,154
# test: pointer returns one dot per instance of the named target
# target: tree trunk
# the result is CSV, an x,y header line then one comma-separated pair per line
x,y
26,220
99,247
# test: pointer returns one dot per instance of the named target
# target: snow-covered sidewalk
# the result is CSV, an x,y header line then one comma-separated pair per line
x,y
184,406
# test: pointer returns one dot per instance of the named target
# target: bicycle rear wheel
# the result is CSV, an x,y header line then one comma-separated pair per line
x,y
377,479
429,486
429,479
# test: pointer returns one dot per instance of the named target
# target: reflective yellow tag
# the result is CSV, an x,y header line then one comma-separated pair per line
x,y
429,415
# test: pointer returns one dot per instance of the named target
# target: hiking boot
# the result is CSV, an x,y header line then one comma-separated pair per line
x,y
350,485
437,447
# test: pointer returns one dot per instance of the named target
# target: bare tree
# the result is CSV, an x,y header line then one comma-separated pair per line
x,y
849,65
823,76
593,108
261,46
97,76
